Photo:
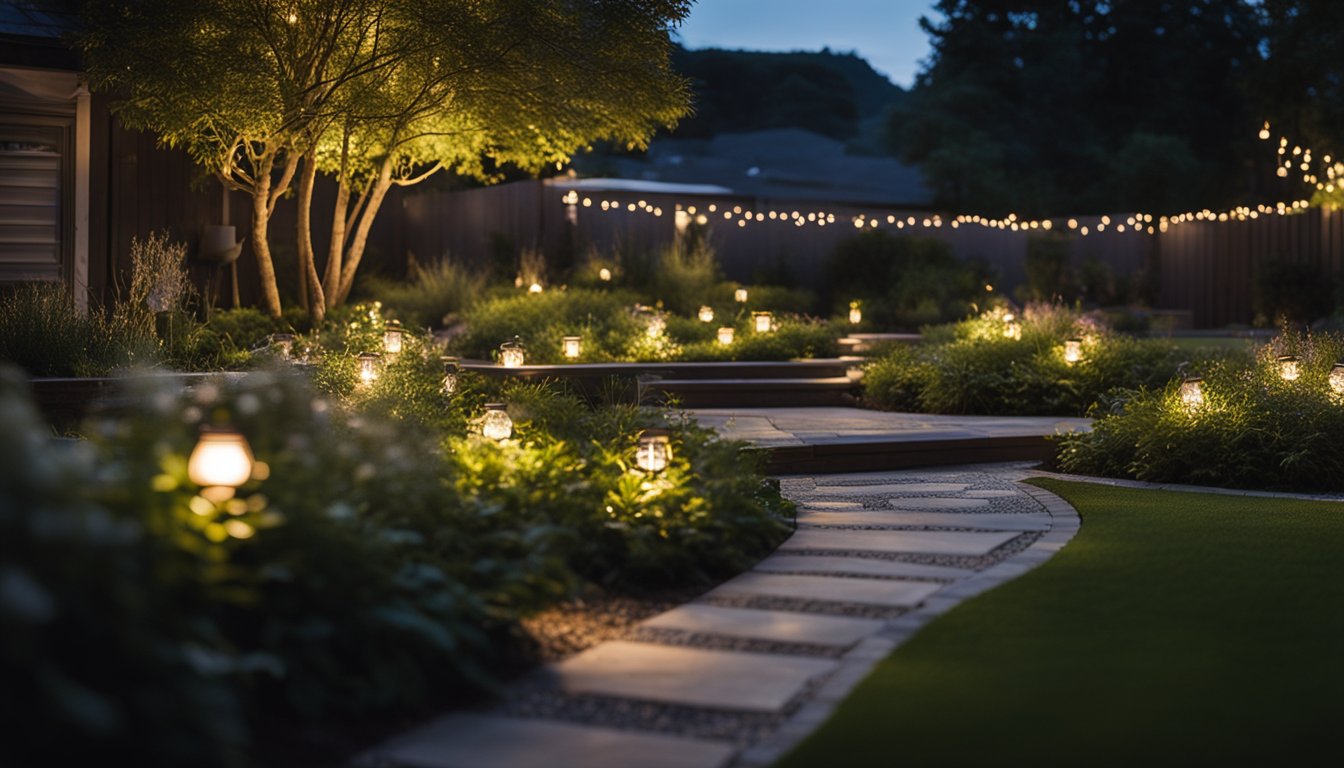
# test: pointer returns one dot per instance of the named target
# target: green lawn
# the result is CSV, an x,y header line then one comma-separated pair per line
x,y
1175,629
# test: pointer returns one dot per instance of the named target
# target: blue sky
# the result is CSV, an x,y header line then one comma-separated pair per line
x,y
885,32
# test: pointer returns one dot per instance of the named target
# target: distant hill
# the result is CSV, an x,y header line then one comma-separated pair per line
x,y
834,94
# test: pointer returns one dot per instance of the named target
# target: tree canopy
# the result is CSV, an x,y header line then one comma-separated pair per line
x,y
1041,107
380,93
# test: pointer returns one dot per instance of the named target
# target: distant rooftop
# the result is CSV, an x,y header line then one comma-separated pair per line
x,y
45,20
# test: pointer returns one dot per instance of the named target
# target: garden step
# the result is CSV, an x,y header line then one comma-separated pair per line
x,y
481,741
689,676
765,625
911,542
780,369
842,589
978,520
860,566
782,393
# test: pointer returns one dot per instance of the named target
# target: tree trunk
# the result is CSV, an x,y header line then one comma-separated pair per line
x,y
310,287
261,219
361,236
331,280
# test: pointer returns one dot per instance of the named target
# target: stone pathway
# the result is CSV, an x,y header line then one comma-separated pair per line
x,y
741,674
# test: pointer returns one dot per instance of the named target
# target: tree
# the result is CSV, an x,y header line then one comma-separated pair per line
x,y
380,93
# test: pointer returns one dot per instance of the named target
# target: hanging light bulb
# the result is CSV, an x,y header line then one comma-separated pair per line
x,y
496,425
654,451
763,322
1264,132
706,314
726,335
392,336
511,353
1073,350
1192,393
452,369
1288,370
570,346
221,459
368,367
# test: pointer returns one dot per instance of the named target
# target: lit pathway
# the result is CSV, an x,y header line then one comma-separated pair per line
x,y
739,675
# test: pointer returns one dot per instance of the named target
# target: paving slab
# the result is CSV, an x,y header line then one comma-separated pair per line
x,y
985,521
766,625
831,504
938,502
823,564
884,489
481,741
891,593
915,542
689,676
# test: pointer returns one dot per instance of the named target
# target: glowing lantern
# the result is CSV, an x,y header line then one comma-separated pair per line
x,y
221,459
1192,393
511,353
496,425
604,275
534,288
726,335
740,295
1337,378
656,326
763,322
368,366
654,451
855,314
706,314
283,343
570,345
1288,370
451,371
392,338
1073,350
682,220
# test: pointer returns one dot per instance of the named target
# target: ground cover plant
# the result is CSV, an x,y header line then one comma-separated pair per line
x,y
1006,363
1174,629
379,557
1251,428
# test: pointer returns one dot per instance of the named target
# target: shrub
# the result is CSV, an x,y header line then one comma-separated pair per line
x,y
903,282
1255,430
432,296
603,318
41,332
1287,291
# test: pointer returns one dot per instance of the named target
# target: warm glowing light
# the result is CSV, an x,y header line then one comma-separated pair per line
x,y
221,459
392,336
496,425
451,371
534,288
1288,370
656,326
706,314
740,295
1073,350
763,322
654,451
1012,331
726,335
511,354
1337,379
855,313
1192,393
570,345
1264,132
368,367
604,275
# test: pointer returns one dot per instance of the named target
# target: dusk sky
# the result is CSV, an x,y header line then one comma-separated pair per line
x,y
885,32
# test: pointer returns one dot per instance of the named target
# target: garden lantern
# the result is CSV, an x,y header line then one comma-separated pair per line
x,y
1192,393
763,322
511,353
570,345
706,314
740,295
1288,370
392,335
534,288
604,275
1073,350
451,370
368,366
855,314
654,451
283,343
1337,378
656,326
726,335
221,459
496,425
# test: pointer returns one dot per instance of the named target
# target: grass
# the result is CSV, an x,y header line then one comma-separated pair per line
x,y
1175,629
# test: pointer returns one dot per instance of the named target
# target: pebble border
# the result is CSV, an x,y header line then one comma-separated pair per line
x,y
858,662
